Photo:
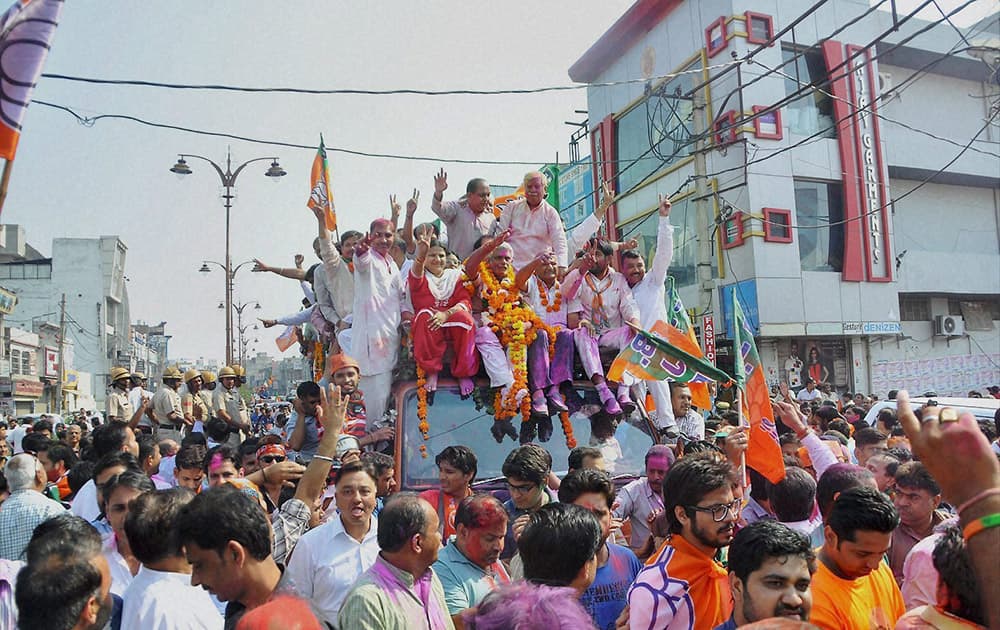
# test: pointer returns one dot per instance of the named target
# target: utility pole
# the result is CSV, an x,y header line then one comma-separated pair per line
x,y
703,271
62,337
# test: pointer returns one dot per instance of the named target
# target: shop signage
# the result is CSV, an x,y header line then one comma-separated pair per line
x,y
51,362
882,328
853,328
708,335
29,389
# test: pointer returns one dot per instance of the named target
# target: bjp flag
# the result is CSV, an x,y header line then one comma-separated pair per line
x,y
26,31
763,450
320,195
285,340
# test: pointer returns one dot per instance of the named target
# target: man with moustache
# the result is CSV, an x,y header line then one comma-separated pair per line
x,y
469,567
642,500
770,569
467,219
683,585
535,226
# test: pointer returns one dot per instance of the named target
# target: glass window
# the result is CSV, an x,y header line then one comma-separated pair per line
x,y
914,308
655,133
456,421
15,361
813,111
25,363
819,214
683,266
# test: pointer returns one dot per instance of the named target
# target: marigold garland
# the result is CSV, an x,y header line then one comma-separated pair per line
x,y
319,361
544,297
567,429
422,406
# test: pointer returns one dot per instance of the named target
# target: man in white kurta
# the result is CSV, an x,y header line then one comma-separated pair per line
x,y
378,298
649,291
535,226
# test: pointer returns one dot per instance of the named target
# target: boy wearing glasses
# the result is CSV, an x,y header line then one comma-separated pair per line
x,y
683,585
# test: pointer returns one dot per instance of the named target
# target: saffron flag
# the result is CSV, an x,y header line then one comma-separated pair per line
x,y
320,196
763,450
287,339
26,31
700,397
651,357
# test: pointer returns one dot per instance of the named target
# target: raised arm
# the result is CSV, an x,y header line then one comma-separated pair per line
x,y
477,257
579,235
394,209
423,246
522,277
285,272
664,245
411,209
334,411
447,212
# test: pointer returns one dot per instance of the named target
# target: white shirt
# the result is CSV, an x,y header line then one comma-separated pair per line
x,y
85,502
566,290
16,436
135,398
157,600
650,292
805,395
378,299
121,575
326,563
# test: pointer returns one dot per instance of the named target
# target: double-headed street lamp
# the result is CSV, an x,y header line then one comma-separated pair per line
x,y
228,179
228,304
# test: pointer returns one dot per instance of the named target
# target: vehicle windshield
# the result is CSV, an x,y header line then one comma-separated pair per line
x,y
454,421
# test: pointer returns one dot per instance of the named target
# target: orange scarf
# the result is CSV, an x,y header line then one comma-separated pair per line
x,y
599,320
708,581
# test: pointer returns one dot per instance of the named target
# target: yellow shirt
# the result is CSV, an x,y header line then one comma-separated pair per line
x,y
869,603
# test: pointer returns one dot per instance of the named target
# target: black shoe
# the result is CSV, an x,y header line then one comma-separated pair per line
x,y
506,428
430,397
544,429
528,431
497,432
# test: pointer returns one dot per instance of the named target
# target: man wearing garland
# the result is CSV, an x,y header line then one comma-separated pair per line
x,y
534,225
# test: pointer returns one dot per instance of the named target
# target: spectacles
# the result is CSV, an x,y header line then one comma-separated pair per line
x,y
720,511
516,489
270,459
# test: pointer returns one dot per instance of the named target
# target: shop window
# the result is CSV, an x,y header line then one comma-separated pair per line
x,y
760,28
15,361
914,308
732,231
25,363
819,218
716,37
811,113
777,225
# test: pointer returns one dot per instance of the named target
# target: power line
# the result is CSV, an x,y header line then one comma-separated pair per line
x,y
356,91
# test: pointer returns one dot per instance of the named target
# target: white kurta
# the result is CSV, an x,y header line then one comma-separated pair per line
x,y
378,297
650,293
156,600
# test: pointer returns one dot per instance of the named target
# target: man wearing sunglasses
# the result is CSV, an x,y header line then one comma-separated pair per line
x,y
269,454
683,585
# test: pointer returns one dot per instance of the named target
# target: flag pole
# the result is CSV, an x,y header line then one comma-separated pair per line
x,y
4,180
743,455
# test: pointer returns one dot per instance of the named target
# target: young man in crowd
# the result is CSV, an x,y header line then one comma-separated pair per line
x,y
836,479
770,570
469,567
916,497
114,437
118,492
884,467
457,468
683,585
188,467
793,501
227,540
526,469
347,541
385,472
400,590
65,583
642,500
163,593
868,442
617,566
58,459
560,544
585,457
854,587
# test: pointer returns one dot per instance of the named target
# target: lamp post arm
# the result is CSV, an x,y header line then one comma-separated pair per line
x,y
236,173
218,169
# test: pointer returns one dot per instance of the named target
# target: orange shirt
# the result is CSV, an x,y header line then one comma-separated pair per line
x,y
446,506
872,602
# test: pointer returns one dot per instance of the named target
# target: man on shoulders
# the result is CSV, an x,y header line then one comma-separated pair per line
x,y
854,587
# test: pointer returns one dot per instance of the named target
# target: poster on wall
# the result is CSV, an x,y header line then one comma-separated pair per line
x,y
823,360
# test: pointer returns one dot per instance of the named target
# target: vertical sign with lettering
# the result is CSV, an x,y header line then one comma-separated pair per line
x,y
708,335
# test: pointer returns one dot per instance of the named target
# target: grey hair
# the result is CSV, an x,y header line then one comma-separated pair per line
x,y
21,471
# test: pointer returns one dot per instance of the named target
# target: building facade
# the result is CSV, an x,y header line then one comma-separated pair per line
x,y
825,183
90,275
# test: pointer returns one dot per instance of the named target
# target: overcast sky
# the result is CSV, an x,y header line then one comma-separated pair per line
x,y
71,180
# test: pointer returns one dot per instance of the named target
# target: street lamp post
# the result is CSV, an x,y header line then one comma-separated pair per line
x,y
228,179
230,273
239,308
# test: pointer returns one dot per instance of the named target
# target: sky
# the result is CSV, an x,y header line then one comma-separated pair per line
x,y
112,177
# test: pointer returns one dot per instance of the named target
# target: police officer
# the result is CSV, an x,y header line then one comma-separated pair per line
x,y
229,405
195,410
167,410
208,384
117,405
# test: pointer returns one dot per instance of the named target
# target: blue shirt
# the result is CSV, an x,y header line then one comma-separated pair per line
x,y
310,441
465,583
607,596
729,625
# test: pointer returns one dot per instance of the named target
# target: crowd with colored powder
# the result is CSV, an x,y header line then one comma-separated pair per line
x,y
187,508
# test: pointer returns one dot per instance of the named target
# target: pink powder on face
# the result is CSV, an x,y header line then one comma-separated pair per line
x,y
216,462
659,463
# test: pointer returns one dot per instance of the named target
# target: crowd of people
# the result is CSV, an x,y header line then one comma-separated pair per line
x,y
187,508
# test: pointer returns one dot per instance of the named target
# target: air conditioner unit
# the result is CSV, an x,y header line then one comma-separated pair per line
x,y
949,325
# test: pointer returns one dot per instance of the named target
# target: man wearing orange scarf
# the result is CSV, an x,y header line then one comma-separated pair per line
x,y
682,584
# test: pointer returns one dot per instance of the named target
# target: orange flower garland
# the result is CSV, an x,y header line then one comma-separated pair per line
x,y
567,429
544,297
319,361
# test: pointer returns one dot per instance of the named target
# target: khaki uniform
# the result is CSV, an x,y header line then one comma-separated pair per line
x,y
118,406
232,402
165,401
195,405
206,397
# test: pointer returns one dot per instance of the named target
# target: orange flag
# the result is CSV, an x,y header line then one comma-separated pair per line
x,y
320,195
287,339
26,31
686,342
